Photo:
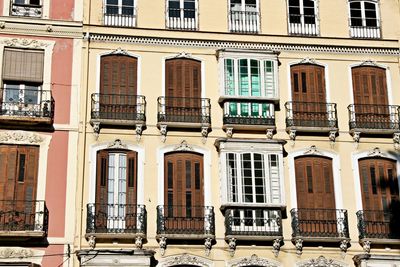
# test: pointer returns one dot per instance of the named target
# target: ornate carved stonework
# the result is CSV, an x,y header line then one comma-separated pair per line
x,y
308,60
20,137
15,253
321,261
376,152
27,43
254,260
185,259
184,55
119,51
117,144
183,146
370,63
313,151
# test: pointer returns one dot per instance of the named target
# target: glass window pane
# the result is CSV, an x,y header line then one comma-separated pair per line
x,y
229,77
243,77
11,93
255,77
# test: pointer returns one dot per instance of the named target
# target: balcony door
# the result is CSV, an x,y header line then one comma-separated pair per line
x,y
118,86
183,89
18,185
315,194
371,97
308,94
115,207
380,195
184,191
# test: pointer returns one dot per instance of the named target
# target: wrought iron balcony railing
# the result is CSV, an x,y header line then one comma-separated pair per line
x,y
255,115
26,10
357,30
185,221
244,21
24,216
113,107
182,19
320,223
184,110
311,115
376,224
120,20
253,223
303,25
112,219
374,118
27,103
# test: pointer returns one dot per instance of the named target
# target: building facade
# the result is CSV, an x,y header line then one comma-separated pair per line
x,y
40,42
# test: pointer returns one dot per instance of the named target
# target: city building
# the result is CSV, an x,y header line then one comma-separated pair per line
x,y
40,42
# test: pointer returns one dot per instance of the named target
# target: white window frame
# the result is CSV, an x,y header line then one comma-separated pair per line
x,y
365,31
119,19
236,55
244,27
300,28
182,22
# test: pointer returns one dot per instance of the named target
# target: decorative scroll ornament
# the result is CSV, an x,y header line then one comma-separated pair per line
x,y
308,60
26,43
119,51
184,55
163,245
376,152
92,242
6,253
207,245
396,141
20,137
369,63
185,259
183,146
321,261
117,144
254,260
313,151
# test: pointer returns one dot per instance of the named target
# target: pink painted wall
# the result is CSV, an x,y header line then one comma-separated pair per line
x,y
56,183
62,9
1,7
53,256
61,75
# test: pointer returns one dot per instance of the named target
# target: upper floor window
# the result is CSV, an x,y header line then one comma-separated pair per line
x,y
28,8
120,13
244,16
364,19
303,19
182,14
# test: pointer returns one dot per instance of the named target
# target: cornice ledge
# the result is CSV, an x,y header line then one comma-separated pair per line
x,y
390,51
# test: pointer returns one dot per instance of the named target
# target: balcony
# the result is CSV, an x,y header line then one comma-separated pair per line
x,y
378,227
184,112
311,117
23,220
374,119
320,226
244,21
182,19
118,110
26,107
303,25
365,32
253,225
116,222
26,10
249,116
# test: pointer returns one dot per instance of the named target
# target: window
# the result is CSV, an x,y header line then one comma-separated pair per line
x,y
303,17
29,8
244,16
22,77
364,20
120,13
182,14
18,186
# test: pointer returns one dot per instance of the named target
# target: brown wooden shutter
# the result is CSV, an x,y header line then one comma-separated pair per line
x,y
118,75
131,177
23,65
369,85
102,178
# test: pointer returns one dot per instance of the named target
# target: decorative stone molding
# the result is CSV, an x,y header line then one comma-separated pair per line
x,y
396,141
117,144
229,132
204,134
184,55
14,137
369,63
253,260
92,241
258,46
232,246
183,146
366,246
138,130
6,253
207,245
356,137
308,60
139,242
376,152
26,43
299,246
344,245
276,246
332,136
119,51
96,129
321,261
270,133
185,259
163,245
292,135
163,132
313,151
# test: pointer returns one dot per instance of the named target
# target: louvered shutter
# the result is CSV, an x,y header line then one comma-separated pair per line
x,y
131,189
23,65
